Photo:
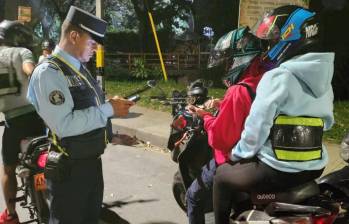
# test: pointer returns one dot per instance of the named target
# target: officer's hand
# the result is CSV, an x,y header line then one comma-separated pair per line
x,y
120,106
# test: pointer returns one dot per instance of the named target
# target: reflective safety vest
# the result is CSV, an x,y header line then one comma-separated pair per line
x,y
297,138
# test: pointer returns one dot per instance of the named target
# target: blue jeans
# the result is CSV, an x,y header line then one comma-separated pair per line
x,y
200,193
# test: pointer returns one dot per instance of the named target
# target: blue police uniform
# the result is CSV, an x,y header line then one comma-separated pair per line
x,y
71,102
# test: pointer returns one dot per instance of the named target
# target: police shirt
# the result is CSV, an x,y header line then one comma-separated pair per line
x,y
49,93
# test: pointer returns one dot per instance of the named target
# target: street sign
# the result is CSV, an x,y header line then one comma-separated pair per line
x,y
24,13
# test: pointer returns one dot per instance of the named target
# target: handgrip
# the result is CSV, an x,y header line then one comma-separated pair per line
x,y
134,98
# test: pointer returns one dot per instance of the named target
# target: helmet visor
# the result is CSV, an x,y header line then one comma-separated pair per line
x,y
266,27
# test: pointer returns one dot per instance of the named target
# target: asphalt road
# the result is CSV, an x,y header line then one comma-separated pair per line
x,y
137,187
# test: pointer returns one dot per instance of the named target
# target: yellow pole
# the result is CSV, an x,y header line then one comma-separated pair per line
x,y
157,45
100,49
100,66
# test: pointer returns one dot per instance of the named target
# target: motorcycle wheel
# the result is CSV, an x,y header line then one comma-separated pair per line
x,y
40,203
179,191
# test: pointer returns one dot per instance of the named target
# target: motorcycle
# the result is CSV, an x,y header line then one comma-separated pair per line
x,y
32,183
188,139
336,184
189,148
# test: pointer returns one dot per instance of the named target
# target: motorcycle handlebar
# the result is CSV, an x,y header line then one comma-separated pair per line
x,y
149,84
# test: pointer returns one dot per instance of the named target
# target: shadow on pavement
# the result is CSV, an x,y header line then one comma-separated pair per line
x,y
110,217
119,204
133,115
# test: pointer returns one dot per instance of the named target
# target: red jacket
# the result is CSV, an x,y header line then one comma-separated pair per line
x,y
224,131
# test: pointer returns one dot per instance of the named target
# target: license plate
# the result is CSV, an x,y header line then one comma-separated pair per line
x,y
39,182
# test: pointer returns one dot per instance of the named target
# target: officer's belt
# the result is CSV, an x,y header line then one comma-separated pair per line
x,y
297,138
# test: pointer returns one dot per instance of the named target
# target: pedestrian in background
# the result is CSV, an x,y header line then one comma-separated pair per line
x,y
47,47
16,64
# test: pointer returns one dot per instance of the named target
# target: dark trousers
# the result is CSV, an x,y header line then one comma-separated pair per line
x,y
200,193
233,181
79,199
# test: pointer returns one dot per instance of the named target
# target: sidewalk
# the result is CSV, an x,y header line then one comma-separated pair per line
x,y
148,125
154,127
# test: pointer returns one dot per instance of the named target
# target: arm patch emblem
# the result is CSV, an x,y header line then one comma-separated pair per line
x,y
56,97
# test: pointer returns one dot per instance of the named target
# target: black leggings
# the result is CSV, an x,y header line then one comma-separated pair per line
x,y
232,181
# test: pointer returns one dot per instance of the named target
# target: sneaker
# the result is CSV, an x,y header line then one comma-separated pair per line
x,y
6,219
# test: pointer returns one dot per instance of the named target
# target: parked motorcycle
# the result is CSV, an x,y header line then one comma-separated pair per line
x,y
32,184
336,185
188,144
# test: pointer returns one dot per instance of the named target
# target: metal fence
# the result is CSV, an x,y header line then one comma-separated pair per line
x,y
173,61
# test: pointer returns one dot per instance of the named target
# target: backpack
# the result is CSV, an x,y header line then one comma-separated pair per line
x,y
8,78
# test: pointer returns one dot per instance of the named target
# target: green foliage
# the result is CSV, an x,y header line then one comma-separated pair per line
x,y
139,70
341,126
117,73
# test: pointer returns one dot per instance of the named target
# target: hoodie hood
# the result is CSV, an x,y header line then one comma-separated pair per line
x,y
315,70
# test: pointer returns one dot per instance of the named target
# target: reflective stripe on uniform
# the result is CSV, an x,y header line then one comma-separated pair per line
x,y
287,155
306,121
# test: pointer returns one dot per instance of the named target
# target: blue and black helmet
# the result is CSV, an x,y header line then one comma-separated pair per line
x,y
290,30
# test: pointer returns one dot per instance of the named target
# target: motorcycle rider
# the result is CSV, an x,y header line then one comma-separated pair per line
x,y
281,144
21,118
224,129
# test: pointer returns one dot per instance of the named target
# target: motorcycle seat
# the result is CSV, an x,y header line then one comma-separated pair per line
x,y
291,195
29,144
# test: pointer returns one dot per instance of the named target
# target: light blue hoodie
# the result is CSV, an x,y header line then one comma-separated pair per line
x,y
300,86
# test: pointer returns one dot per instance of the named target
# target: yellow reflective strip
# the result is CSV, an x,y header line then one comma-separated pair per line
x,y
297,155
306,121
54,141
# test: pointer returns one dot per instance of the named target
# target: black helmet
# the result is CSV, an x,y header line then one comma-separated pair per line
x,y
291,30
237,48
14,33
47,45
197,92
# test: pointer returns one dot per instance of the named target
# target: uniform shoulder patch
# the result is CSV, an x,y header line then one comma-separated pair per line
x,y
56,97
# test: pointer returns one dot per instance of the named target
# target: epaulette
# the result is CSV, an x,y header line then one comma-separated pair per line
x,y
53,66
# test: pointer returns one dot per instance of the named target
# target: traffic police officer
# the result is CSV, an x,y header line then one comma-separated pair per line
x,y
71,103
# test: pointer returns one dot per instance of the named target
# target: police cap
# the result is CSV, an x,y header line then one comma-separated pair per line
x,y
95,26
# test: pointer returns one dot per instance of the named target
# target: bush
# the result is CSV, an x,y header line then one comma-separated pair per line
x,y
139,70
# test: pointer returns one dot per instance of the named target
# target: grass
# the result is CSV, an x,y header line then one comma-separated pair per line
x,y
123,88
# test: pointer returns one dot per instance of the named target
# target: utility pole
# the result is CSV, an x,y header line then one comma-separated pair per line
x,y
156,40
100,49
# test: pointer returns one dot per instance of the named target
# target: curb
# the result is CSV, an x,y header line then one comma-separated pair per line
x,y
147,125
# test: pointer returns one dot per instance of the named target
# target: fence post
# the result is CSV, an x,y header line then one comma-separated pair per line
x,y
129,62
